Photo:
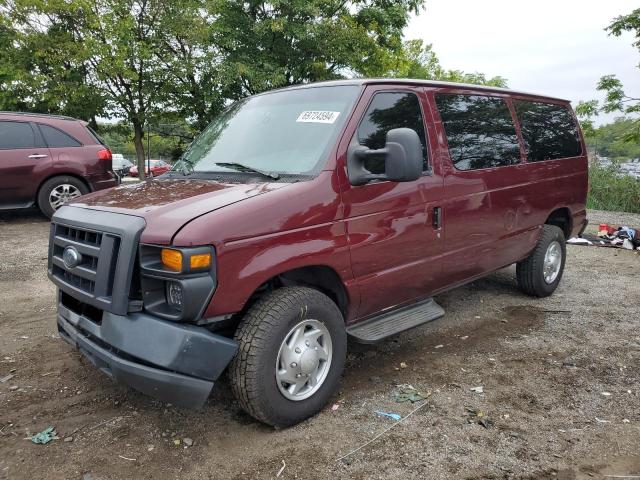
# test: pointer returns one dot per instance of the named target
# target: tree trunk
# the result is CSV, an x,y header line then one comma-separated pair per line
x,y
137,141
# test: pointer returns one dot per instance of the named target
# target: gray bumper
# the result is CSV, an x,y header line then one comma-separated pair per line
x,y
169,361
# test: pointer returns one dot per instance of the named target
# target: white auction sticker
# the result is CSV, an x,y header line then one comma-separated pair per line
x,y
317,116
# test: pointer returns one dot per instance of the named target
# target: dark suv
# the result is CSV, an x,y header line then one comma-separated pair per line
x,y
47,160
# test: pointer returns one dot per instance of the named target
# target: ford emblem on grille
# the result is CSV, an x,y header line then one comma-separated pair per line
x,y
71,257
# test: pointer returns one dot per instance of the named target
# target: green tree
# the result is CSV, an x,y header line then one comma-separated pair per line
x,y
418,60
609,140
284,42
616,100
37,75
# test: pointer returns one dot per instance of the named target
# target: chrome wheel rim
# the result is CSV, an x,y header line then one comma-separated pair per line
x,y
552,262
62,194
304,360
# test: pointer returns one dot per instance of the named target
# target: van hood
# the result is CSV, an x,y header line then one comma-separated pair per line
x,y
167,205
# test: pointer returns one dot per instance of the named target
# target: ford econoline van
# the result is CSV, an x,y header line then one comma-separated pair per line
x,y
304,216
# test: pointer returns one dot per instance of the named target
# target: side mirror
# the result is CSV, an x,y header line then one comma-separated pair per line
x,y
402,158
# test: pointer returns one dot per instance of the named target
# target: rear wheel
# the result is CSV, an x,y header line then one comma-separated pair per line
x,y
540,273
57,191
292,349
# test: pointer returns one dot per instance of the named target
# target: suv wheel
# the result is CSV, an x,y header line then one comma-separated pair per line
x,y
539,274
57,191
292,350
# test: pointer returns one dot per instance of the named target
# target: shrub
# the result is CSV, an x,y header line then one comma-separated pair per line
x,y
609,190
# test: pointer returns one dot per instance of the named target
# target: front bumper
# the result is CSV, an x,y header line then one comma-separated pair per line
x,y
172,362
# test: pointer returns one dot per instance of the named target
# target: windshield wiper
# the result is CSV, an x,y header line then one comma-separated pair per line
x,y
241,167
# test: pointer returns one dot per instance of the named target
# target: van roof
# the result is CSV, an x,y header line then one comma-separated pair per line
x,y
428,83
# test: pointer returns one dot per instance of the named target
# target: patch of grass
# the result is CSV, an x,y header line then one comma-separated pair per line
x,y
610,191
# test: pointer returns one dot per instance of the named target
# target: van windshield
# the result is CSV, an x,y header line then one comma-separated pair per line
x,y
282,133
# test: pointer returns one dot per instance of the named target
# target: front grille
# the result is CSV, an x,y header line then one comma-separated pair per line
x,y
99,255
107,244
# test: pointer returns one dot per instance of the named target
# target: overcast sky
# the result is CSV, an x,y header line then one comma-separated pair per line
x,y
554,47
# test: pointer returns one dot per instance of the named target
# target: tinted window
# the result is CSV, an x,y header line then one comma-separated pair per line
x,y
16,135
388,111
549,131
480,131
57,138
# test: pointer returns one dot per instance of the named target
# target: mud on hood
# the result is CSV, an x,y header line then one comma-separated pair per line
x,y
167,205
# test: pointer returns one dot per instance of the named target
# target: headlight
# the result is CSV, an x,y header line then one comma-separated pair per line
x,y
177,282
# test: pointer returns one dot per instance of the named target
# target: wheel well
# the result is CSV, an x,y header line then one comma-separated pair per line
x,y
320,277
561,218
77,177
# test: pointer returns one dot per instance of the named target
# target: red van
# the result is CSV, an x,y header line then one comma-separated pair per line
x,y
307,215
46,160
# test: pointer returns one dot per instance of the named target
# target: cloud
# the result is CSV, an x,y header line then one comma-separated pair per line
x,y
553,47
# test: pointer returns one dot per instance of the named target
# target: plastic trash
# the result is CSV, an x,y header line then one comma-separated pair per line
x,y
44,436
579,241
395,416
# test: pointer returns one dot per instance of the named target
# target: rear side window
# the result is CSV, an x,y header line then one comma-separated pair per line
x,y
480,131
16,135
549,131
57,138
389,110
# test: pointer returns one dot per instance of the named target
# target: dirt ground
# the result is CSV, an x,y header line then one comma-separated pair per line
x,y
560,378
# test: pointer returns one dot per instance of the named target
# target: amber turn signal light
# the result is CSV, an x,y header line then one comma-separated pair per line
x,y
200,260
172,259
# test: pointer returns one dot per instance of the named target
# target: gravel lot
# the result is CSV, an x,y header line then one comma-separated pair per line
x,y
560,379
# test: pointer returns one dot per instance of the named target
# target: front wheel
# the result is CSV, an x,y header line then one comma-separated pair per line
x,y
539,274
292,350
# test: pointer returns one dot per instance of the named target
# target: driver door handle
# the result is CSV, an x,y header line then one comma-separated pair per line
x,y
437,217
38,155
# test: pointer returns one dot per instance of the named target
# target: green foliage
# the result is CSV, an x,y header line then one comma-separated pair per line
x,y
167,141
418,60
616,100
610,191
285,42
610,140
181,62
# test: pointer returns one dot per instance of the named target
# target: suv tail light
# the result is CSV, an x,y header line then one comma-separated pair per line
x,y
104,154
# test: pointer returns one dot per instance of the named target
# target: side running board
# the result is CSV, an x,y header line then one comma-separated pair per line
x,y
391,323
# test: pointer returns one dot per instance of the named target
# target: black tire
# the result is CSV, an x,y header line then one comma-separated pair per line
x,y
50,185
530,271
260,335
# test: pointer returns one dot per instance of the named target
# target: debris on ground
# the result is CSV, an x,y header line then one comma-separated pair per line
x,y
395,416
281,469
403,365
579,241
479,389
7,378
335,407
611,236
478,416
439,346
408,393
187,441
44,436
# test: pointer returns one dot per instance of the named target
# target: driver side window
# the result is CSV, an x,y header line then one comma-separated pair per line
x,y
389,110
